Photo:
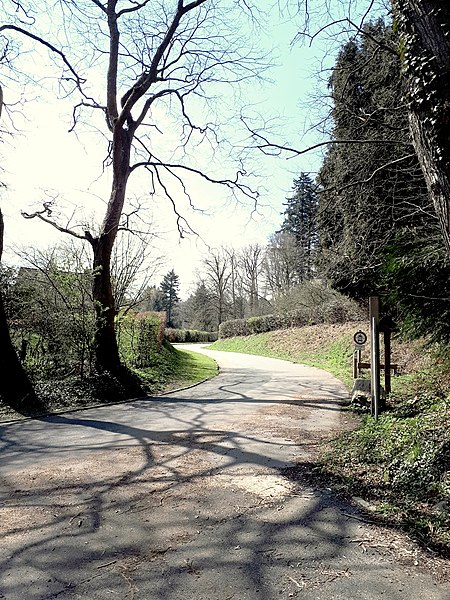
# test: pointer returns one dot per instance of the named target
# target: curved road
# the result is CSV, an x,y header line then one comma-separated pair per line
x,y
182,498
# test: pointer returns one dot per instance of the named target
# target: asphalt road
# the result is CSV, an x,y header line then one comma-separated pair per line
x,y
181,498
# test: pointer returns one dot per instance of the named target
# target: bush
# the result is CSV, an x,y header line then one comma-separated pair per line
x,y
234,327
179,336
140,337
51,319
315,304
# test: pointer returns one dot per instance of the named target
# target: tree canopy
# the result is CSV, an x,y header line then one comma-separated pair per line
x,y
376,223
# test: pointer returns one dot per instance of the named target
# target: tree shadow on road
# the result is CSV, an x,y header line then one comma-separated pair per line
x,y
181,511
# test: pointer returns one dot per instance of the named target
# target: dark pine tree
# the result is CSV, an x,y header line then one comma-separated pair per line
x,y
169,287
300,222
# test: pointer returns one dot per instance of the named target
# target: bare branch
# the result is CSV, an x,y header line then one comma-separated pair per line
x,y
100,6
84,104
233,184
2,231
44,215
78,80
113,65
143,84
179,218
340,189
137,6
273,149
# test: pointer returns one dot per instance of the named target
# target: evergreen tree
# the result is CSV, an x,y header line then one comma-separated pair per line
x,y
169,287
300,222
370,191
378,232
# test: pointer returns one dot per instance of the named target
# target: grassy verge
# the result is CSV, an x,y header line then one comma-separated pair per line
x,y
400,464
173,368
327,347
170,369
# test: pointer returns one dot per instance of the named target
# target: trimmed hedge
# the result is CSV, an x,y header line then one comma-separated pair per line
x,y
140,336
178,336
334,311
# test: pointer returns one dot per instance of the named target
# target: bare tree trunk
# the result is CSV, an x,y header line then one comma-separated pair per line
x,y
425,32
106,347
15,387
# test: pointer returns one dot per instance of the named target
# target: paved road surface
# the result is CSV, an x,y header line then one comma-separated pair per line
x,y
181,498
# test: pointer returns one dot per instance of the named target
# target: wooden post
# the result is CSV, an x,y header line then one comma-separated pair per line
x,y
356,363
375,388
387,361
375,368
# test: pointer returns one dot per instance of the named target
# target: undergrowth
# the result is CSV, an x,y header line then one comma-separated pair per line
x,y
172,368
169,369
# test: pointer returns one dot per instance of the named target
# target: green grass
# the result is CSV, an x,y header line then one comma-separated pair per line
x,y
253,344
333,357
173,368
401,464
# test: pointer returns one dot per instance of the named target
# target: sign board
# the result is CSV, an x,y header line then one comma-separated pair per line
x,y
360,338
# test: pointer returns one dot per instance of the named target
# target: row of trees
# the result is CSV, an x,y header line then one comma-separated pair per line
x,y
377,228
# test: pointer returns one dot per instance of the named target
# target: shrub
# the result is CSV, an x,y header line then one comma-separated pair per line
x,y
315,304
179,336
234,328
51,319
140,336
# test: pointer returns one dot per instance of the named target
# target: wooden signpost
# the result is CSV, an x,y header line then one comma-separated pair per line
x,y
376,326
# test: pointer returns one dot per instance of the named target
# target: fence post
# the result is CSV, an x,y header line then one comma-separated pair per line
x,y
375,387
387,361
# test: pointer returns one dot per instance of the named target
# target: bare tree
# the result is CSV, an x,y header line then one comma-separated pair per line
x,y
158,54
134,263
237,307
217,275
282,261
251,262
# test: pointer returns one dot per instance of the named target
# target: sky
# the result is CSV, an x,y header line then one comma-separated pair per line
x,y
43,159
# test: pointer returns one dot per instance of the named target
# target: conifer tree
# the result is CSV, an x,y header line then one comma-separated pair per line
x,y
169,287
300,222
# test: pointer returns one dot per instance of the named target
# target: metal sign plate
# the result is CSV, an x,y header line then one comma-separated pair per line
x,y
360,338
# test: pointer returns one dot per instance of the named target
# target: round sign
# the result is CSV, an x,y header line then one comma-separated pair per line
x,y
360,338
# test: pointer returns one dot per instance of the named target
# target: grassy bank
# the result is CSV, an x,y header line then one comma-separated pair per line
x,y
170,369
400,464
173,368
327,347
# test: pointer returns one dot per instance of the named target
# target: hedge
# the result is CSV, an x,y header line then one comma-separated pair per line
x,y
334,311
178,336
140,336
